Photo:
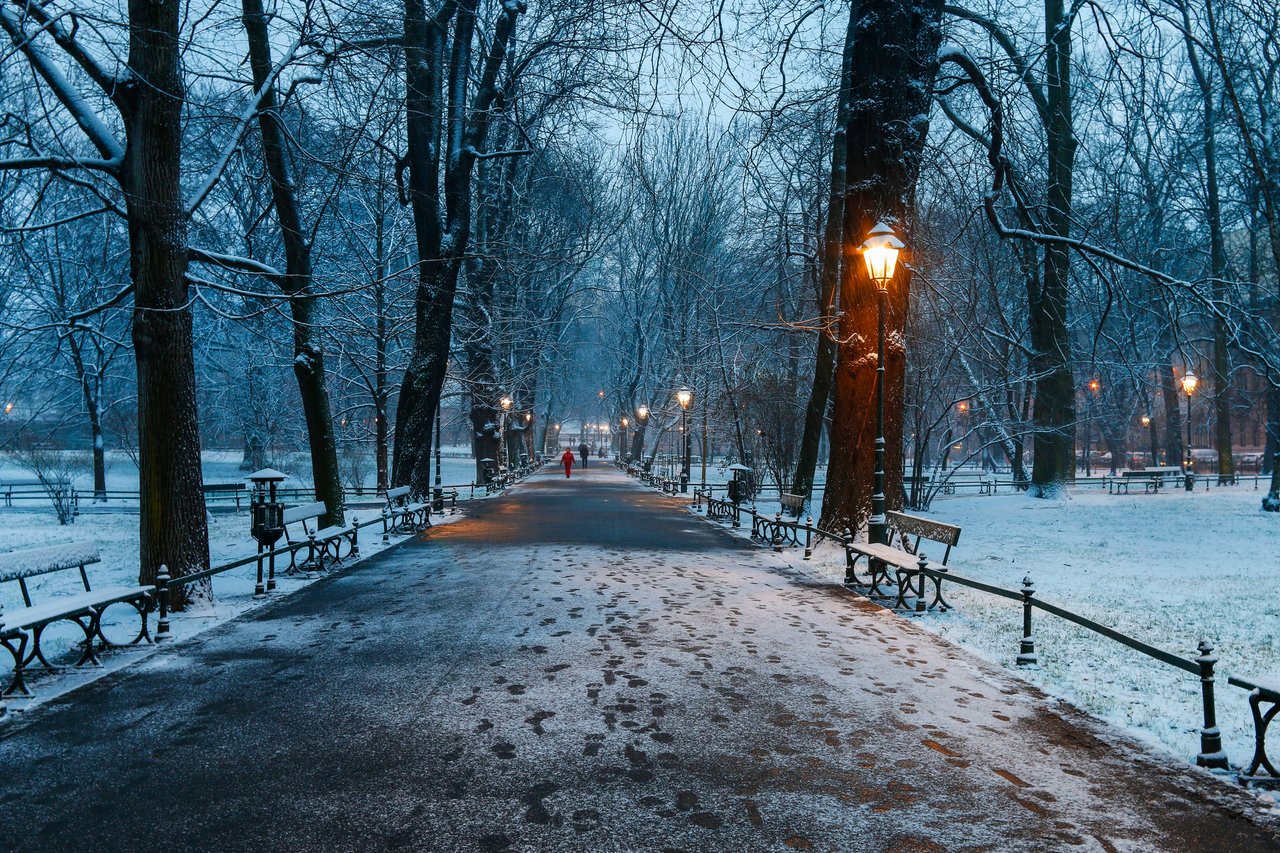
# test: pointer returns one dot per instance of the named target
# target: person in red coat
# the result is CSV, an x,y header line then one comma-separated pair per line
x,y
567,460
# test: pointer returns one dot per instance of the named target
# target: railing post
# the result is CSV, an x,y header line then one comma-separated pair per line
x,y
847,541
777,532
1027,653
808,538
386,527
737,516
922,563
1211,753
2,707
355,536
162,599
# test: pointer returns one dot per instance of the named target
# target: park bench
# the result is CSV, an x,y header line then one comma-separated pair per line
x,y
301,525
1152,479
405,516
908,563
792,505
22,629
234,490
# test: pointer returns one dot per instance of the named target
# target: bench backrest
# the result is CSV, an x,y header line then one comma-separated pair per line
x,y
924,528
304,512
31,562
399,493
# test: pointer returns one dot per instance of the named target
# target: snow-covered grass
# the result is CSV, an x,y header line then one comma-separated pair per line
x,y
33,524
1168,569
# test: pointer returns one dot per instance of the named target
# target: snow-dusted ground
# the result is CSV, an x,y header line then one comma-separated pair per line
x,y
33,524
1167,569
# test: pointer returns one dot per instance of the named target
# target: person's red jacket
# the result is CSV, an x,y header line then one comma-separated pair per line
x,y
567,460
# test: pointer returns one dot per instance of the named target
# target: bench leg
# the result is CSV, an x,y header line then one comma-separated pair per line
x,y
902,588
17,684
91,630
1261,720
144,632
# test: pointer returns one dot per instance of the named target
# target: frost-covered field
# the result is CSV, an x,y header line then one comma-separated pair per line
x,y
33,524
1167,569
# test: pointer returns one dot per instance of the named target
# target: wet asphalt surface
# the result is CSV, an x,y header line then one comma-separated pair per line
x,y
584,666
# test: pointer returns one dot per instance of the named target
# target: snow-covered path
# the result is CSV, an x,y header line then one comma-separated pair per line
x,y
585,666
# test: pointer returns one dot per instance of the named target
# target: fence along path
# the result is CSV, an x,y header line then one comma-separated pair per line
x,y
582,665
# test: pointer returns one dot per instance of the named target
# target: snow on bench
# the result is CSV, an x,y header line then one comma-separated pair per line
x,y
404,515
907,561
324,542
25,626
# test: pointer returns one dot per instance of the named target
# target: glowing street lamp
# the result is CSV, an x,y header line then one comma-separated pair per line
x,y
684,397
1189,383
506,403
880,252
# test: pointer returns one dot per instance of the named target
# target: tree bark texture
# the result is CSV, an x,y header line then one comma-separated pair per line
x,y
895,59
1053,411
825,356
308,354
173,530
441,213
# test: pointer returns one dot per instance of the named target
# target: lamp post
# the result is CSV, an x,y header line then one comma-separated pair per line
x,y
880,252
684,397
1094,385
506,404
1151,434
1189,383
642,416
622,439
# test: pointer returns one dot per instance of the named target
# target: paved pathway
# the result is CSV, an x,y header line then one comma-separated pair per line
x,y
584,666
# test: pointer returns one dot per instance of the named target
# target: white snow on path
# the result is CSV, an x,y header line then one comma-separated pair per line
x,y
1167,569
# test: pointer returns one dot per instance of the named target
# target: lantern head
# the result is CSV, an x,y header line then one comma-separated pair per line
x,y
880,252
684,397
1189,383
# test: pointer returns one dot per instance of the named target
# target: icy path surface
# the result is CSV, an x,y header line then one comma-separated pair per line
x,y
585,666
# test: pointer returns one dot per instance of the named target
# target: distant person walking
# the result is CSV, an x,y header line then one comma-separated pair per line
x,y
567,460
583,452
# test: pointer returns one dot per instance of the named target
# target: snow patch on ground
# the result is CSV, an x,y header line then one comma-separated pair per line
x,y
1168,569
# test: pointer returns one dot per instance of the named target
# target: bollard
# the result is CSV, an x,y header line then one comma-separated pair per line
x,y
1211,752
1027,654
162,598
922,563
808,540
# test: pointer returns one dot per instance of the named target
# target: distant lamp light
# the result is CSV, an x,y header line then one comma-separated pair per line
x,y
1094,385
962,406
684,397
8,407
506,403
1146,420
625,423
642,412
1189,383
880,252
528,417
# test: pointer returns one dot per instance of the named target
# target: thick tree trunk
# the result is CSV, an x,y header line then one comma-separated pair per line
x,y
173,531
895,59
308,354
1053,411
464,127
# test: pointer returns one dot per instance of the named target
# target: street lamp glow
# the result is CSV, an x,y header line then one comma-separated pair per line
x,y
1189,383
880,252
642,412
684,397
506,403
1094,385
1146,420
625,422
528,417
962,406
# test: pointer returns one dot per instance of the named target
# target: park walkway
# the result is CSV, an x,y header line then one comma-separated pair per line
x,y
584,666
